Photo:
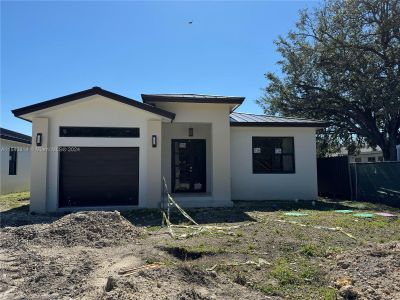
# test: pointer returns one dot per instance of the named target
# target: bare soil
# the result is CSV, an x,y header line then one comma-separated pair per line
x,y
370,272
106,255
80,256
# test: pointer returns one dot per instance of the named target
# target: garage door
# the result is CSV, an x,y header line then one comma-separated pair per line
x,y
99,176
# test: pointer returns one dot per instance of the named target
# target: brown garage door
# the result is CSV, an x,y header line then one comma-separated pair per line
x,y
99,176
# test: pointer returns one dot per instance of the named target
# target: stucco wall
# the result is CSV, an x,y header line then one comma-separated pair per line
x,y
102,112
154,164
248,186
21,181
38,201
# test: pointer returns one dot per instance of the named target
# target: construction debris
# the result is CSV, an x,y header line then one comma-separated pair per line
x,y
197,229
261,262
141,268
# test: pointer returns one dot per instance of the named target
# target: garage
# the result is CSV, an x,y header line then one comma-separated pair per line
x,y
98,176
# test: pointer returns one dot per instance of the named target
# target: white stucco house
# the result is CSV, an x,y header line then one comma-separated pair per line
x,y
99,149
15,161
363,155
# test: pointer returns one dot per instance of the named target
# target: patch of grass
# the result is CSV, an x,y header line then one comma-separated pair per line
x,y
327,293
153,228
152,260
311,250
302,271
250,247
239,233
368,206
333,250
14,200
309,273
282,272
269,289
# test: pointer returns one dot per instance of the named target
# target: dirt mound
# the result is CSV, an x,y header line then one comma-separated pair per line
x,y
371,272
89,229
176,283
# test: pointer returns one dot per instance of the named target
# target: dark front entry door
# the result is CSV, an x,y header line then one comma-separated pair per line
x,y
99,176
189,166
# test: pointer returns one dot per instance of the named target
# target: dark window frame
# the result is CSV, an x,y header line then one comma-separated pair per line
x,y
99,132
292,154
12,163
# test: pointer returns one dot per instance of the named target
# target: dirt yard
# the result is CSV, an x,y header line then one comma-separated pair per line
x,y
251,251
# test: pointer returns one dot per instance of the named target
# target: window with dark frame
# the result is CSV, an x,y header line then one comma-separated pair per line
x,y
273,155
12,164
118,132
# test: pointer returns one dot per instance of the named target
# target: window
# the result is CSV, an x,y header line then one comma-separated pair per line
x,y
380,158
357,159
371,159
12,163
273,155
121,132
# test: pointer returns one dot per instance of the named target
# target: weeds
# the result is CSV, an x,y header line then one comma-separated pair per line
x,y
310,250
282,272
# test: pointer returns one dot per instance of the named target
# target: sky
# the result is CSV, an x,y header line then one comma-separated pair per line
x,y
51,49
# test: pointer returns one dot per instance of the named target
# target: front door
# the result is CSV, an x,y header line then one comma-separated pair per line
x,y
188,166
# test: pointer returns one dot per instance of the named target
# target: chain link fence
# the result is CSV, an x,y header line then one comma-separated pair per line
x,y
376,182
372,182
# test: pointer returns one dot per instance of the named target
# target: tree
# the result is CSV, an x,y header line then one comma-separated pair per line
x,y
342,64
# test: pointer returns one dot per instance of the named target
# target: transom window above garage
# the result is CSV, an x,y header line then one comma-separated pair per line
x,y
119,132
273,155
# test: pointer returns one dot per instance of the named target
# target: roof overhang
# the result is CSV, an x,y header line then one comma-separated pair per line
x,y
317,125
15,136
21,112
233,101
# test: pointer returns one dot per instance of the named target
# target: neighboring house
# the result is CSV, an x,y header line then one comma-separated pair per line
x,y
15,161
363,155
104,149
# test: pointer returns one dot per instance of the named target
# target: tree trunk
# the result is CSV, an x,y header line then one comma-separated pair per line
x,y
389,150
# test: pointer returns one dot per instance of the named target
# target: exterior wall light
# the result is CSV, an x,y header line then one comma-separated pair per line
x,y
38,139
190,131
154,141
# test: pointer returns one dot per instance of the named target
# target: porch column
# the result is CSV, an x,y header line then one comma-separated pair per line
x,y
221,166
38,200
153,164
